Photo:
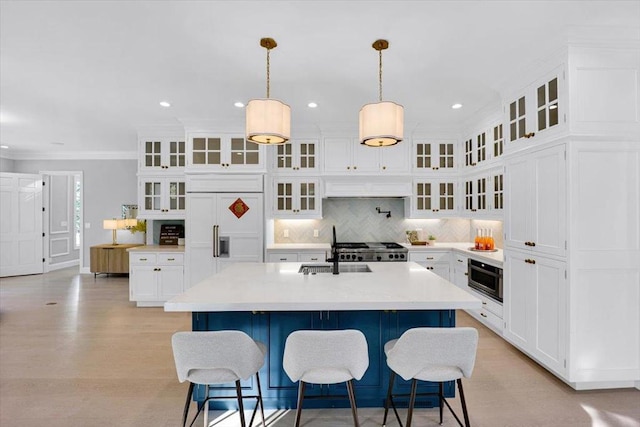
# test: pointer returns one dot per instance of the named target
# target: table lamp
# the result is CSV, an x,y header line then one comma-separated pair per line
x,y
111,224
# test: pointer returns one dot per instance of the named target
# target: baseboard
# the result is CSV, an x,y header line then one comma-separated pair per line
x,y
85,270
61,265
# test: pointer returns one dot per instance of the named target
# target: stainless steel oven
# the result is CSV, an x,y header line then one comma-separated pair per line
x,y
485,278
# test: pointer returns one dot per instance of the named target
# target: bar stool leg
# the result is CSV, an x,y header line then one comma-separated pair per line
x,y
352,401
264,423
387,401
240,405
440,399
186,405
300,397
205,406
464,404
412,400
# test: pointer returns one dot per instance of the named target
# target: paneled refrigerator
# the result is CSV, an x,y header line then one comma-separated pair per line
x,y
220,229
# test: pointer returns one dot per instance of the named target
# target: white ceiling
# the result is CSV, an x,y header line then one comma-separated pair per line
x,y
88,74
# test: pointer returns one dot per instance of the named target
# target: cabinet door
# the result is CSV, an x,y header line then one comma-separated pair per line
x,y
446,197
517,298
395,159
307,156
99,260
206,151
144,283
243,154
170,281
151,196
175,196
337,155
151,154
200,262
366,159
549,202
518,202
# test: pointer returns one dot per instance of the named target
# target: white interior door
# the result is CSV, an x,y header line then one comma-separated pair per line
x,y
20,224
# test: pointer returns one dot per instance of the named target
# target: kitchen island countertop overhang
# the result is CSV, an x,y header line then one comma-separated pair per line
x,y
279,287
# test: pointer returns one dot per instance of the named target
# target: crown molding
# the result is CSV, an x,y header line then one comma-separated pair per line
x,y
71,155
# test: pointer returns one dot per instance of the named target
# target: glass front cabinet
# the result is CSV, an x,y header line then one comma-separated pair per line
x,y
162,154
296,198
162,197
296,157
222,153
434,156
432,199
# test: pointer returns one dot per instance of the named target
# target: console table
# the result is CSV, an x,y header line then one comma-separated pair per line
x,y
109,258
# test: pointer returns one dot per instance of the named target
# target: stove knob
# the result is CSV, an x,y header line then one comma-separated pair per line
x,y
379,258
359,258
341,256
396,256
390,256
401,256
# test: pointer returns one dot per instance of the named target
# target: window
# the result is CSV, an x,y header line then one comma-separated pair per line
x,y
77,210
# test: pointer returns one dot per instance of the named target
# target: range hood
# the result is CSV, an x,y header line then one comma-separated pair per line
x,y
367,186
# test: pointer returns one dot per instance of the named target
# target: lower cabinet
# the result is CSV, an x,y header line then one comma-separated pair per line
x,y
273,328
436,261
535,301
301,256
155,277
460,270
110,258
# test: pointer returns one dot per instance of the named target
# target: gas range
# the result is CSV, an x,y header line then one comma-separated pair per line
x,y
372,252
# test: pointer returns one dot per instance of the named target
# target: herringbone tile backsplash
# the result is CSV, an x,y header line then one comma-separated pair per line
x,y
357,220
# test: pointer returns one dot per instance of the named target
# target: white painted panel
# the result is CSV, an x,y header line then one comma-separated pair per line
x,y
59,191
28,210
607,95
59,247
549,221
6,253
518,201
27,252
607,312
608,201
6,211
551,312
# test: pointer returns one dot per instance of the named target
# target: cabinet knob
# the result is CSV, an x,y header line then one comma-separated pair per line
x,y
355,167
466,274
483,315
384,168
348,167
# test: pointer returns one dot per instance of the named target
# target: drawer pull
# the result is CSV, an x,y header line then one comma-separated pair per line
x,y
143,259
460,261
171,259
283,259
429,257
314,259
483,315
484,303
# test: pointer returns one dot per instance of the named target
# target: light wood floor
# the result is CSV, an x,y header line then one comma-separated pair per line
x,y
75,352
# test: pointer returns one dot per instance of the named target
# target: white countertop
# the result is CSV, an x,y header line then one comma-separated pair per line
x,y
279,287
157,248
494,258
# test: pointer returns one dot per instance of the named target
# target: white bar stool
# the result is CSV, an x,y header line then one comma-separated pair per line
x,y
435,355
218,357
326,357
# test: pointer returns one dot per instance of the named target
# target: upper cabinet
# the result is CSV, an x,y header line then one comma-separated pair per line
x,y
434,156
537,111
296,157
161,197
432,198
162,154
484,194
347,156
223,153
296,198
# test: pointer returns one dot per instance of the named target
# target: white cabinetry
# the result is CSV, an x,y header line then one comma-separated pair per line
x,y
537,111
300,256
536,201
432,198
162,154
431,156
296,157
155,277
435,261
536,309
347,156
484,194
161,197
223,153
460,271
296,198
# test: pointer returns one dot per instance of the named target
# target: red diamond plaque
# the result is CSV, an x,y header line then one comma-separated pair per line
x,y
238,208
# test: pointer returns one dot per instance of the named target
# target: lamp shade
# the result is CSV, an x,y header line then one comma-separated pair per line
x,y
381,124
268,121
130,222
110,224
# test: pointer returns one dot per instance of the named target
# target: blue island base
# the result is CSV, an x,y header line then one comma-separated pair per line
x,y
272,328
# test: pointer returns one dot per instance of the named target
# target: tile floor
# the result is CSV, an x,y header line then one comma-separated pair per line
x,y
75,352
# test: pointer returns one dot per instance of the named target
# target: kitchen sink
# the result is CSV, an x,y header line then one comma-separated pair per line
x,y
328,268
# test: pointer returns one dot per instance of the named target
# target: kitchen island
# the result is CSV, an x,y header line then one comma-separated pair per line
x,y
270,300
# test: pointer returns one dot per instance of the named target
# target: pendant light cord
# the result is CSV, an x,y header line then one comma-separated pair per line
x,y
268,75
380,73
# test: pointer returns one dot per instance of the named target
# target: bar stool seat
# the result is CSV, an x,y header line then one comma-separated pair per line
x,y
218,357
326,357
435,355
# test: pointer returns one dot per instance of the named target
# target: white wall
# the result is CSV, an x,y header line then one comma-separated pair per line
x,y
6,165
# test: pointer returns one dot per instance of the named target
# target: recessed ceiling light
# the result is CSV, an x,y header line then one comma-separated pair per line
x,y
239,104
4,146
165,104
456,106
312,105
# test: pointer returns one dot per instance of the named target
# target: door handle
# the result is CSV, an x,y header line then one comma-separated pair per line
x,y
215,242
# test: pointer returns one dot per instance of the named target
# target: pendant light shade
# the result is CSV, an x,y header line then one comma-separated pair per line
x,y
268,121
381,123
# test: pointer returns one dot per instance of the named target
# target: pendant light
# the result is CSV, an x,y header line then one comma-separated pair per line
x,y
268,121
382,123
